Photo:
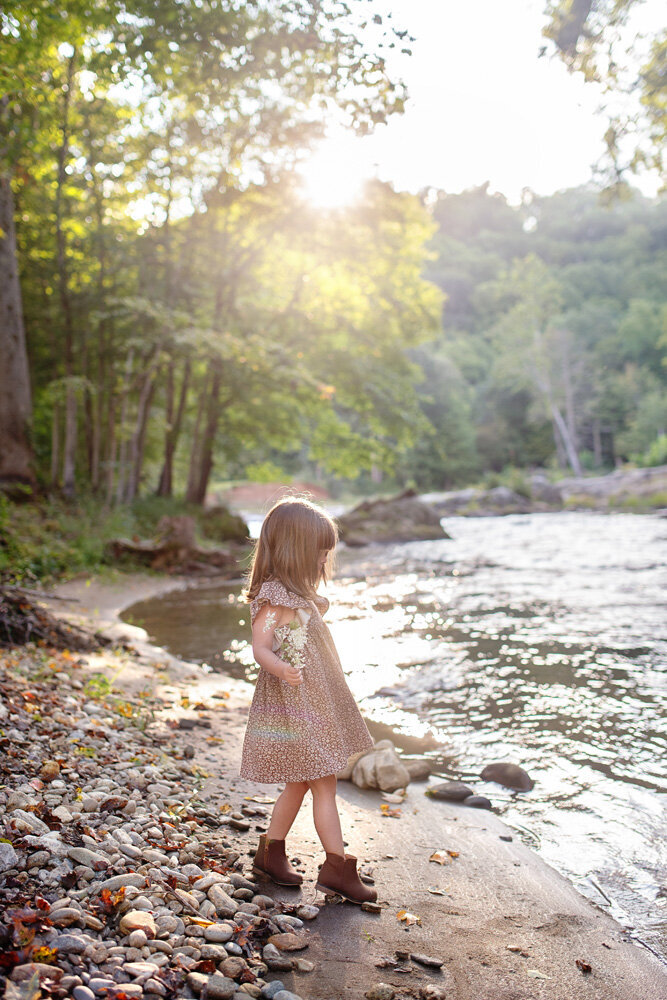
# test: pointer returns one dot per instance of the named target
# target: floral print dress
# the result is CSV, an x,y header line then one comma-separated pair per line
x,y
309,731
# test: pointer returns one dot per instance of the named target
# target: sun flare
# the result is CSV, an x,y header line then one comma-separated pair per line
x,y
332,176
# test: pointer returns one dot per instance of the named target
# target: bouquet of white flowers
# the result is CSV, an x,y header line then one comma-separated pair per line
x,y
290,643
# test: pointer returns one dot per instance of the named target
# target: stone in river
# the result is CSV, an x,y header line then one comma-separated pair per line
x,y
450,791
510,775
138,920
289,941
477,802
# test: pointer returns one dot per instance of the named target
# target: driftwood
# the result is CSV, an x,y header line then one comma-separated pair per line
x,y
23,620
175,550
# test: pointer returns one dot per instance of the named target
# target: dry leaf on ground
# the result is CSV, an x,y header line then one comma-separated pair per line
x,y
408,918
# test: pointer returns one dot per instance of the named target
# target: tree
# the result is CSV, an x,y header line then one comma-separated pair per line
x,y
595,38
218,94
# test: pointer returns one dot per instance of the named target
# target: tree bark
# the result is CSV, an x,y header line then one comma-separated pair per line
x,y
69,449
174,424
197,494
193,468
122,451
139,437
16,456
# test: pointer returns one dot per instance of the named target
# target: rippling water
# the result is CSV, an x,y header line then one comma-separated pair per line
x,y
539,639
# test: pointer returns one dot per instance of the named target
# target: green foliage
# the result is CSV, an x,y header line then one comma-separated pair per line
x,y
656,453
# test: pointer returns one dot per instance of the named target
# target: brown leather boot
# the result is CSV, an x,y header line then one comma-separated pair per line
x,y
271,860
338,874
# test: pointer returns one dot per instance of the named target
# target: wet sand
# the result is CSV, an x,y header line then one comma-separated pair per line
x,y
507,927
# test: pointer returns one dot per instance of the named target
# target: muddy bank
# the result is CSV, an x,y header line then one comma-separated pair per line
x,y
502,922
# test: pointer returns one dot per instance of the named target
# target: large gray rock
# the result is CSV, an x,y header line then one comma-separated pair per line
x,y
381,768
402,518
450,791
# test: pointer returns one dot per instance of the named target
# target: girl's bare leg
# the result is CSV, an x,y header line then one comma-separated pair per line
x,y
286,808
325,814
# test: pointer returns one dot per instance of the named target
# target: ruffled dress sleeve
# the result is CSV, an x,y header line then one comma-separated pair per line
x,y
273,592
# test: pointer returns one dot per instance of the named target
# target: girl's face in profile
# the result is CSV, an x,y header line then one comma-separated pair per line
x,y
322,558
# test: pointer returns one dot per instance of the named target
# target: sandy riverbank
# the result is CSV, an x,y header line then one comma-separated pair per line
x,y
506,925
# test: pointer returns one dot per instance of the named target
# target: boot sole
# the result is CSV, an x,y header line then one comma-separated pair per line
x,y
336,892
272,878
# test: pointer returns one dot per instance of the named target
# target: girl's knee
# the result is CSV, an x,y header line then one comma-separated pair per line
x,y
297,787
323,786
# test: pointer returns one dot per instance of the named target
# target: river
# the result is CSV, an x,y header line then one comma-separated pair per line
x,y
539,639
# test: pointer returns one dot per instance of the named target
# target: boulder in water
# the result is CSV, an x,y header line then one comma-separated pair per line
x,y
478,802
402,518
510,775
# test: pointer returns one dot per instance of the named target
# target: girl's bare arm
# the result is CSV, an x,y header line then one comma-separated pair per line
x,y
268,619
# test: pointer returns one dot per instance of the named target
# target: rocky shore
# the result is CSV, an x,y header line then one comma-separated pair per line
x,y
128,838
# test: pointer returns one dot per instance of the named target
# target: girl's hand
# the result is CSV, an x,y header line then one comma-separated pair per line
x,y
291,675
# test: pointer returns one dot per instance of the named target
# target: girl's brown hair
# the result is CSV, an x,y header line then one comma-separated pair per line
x,y
292,536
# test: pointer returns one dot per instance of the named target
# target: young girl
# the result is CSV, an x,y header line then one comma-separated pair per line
x,y
303,722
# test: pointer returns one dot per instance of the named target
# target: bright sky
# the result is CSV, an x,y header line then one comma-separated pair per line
x,y
482,107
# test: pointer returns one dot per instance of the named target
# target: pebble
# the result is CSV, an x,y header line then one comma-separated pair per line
x,y
65,916
380,991
8,857
289,941
82,856
119,882
138,920
82,993
286,995
218,933
220,987
433,963
71,944
269,991
306,912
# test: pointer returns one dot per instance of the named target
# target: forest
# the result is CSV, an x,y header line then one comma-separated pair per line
x,y
176,315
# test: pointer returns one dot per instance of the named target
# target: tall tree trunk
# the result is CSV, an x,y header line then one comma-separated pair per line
x,y
597,442
570,414
568,443
139,437
195,450
55,445
122,451
205,465
69,450
174,424
111,445
16,457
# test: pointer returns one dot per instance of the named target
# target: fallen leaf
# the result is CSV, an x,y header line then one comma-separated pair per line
x,y
386,810
440,857
262,799
408,918
435,891
584,966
